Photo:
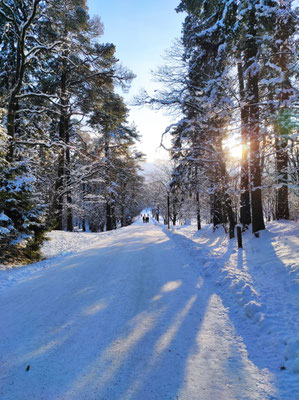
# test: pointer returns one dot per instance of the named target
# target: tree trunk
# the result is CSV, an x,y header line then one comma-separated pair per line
x,y
69,210
58,203
231,216
217,215
198,212
110,216
251,68
168,211
11,117
282,202
174,211
122,218
256,192
63,127
245,217
284,27
83,200
109,224
198,217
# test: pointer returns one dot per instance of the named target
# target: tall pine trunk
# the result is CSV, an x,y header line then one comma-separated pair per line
x,y
122,218
64,159
11,117
245,217
284,28
110,215
198,218
69,210
110,207
69,200
251,70
83,207
58,202
60,182
217,211
282,202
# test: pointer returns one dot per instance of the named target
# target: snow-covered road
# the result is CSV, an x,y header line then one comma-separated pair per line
x,y
131,318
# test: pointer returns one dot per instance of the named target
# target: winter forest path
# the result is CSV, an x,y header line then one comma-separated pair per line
x,y
131,318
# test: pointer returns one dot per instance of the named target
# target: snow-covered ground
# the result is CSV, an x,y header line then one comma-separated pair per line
x,y
263,278
144,313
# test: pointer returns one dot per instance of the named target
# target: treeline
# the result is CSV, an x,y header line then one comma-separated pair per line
x,y
232,79
67,154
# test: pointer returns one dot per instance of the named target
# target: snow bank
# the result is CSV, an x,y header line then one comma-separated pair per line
x,y
58,245
60,242
292,354
263,278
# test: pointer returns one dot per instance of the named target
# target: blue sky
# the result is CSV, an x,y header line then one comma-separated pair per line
x,y
141,31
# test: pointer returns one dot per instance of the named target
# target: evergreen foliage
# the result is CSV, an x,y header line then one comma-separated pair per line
x,y
64,139
232,78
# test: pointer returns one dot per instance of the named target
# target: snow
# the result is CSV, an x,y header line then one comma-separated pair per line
x,y
144,313
68,242
18,184
4,231
3,217
263,278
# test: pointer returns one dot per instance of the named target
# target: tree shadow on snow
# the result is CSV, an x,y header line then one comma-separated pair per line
x,y
109,330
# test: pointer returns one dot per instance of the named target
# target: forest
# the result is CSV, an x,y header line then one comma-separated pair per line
x,y
69,158
231,79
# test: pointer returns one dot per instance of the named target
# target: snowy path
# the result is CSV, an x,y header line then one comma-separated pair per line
x,y
131,318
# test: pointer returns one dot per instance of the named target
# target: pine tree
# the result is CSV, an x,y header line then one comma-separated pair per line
x,y
53,72
84,75
20,48
205,44
251,68
283,29
21,218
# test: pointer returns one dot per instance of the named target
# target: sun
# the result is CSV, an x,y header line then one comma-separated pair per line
x,y
236,152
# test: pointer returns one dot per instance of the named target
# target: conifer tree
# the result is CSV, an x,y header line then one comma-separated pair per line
x,y
20,48
83,78
282,28
53,74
